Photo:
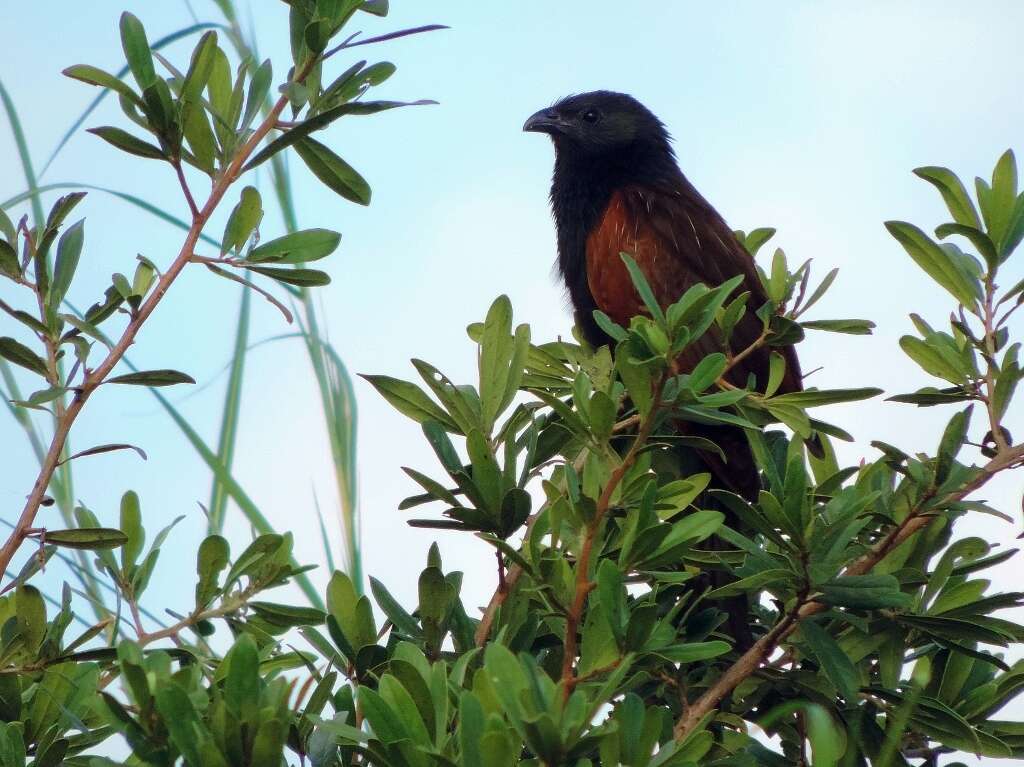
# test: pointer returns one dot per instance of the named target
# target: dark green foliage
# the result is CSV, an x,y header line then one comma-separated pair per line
x,y
878,639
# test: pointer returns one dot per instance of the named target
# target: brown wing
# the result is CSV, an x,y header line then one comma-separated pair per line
x,y
678,240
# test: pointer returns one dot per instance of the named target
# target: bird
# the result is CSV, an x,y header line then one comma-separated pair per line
x,y
617,188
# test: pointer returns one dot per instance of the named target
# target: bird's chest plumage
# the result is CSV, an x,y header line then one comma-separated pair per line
x,y
623,228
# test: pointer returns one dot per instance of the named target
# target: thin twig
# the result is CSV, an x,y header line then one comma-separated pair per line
x,y
351,42
97,375
583,583
193,208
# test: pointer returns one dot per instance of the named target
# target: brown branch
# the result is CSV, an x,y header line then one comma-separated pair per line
x,y
583,583
919,518
97,376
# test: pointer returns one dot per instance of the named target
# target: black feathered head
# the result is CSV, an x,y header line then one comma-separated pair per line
x,y
600,123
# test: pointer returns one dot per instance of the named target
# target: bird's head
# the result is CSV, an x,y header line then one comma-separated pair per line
x,y
600,123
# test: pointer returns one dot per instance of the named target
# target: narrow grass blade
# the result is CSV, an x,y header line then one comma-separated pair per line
x,y
336,394
324,539
131,198
248,508
23,154
61,484
252,513
229,417
342,427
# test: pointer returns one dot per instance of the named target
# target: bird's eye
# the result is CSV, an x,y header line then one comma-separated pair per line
x,y
591,116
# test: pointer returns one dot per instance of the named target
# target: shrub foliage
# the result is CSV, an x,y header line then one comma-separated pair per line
x,y
876,637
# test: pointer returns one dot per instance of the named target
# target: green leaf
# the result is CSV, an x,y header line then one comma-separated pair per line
x,y
496,348
126,142
69,248
643,288
259,87
351,611
607,324
334,172
953,193
19,354
864,592
214,555
152,378
1014,230
137,51
200,67
637,379
395,613
243,220
131,526
410,400
304,278
707,371
817,398
9,263
288,615
694,652
936,262
932,361
852,327
297,247
998,209
834,663
86,538
756,239
611,592
986,248
94,76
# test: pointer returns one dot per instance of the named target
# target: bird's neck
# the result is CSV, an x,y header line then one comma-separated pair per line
x,y
583,183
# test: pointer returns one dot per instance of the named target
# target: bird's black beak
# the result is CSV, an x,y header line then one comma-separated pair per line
x,y
545,121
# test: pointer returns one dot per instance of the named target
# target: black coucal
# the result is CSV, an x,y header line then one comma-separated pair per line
x,y
617,188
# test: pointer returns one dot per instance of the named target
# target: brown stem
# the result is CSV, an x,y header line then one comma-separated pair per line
x,y
512,575
583,583
990,354
919,518
193,208
736,359
502,584
97,376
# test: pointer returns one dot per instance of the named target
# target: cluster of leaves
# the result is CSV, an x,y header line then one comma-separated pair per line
x,y
608,639
203,118
223,125
877,640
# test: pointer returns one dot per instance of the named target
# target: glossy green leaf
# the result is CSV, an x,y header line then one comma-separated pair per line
x,y
19,354
334,172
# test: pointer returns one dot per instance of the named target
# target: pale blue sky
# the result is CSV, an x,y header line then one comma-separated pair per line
x,y
807,116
